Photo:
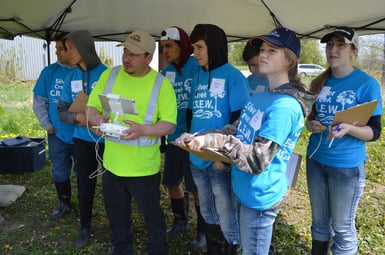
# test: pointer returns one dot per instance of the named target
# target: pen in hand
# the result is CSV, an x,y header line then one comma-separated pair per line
x,y
192,135
197,133
336,131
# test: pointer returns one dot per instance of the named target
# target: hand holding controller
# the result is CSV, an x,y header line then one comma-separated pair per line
x,y
112,130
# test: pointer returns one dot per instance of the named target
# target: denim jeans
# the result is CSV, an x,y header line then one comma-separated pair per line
x,y
62,158
334,197
256,228
118,193
216,200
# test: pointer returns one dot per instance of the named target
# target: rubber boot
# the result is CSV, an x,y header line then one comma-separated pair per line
x,y
200,239
272,249
85,215
232,249
215,241
187,204
180,224
83,239
63,190
320,247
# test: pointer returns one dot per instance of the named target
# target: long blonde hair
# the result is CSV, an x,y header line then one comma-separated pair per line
x,y
293,71
318,83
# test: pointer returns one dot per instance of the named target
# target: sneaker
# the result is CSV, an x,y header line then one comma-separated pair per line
x,y
83,238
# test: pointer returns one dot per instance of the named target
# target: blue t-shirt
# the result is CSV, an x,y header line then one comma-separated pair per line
x,y
215,95
257,84
278,118
182,88
77,81
336,95
49,85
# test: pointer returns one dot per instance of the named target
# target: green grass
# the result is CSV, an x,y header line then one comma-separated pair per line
x,y
27,228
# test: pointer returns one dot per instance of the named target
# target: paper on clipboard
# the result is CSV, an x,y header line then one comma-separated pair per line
x,y
357,115
208,154
80,103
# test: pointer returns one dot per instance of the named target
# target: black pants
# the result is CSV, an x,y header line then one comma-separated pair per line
x,y
118,193
87,163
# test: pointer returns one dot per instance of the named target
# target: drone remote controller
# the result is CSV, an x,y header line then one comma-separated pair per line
x,y
113,130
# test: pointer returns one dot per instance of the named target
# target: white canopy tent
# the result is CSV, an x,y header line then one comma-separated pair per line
x,y
112,20
240,19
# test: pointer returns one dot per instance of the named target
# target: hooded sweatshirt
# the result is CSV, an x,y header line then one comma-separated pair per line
x,y
80,80
84,43
218,91
181,75
185,50
216,42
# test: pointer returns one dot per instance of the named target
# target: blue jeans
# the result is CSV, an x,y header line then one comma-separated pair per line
x,y
256,228
216,200
62,158
118,193
334,197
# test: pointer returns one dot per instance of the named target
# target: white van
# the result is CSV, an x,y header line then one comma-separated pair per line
x,y
309,70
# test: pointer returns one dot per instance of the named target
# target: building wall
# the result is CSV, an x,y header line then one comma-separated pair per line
x,y
31,55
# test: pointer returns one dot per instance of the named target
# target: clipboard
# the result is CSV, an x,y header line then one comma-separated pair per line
x,y
292,169
209,154
357,115
80,103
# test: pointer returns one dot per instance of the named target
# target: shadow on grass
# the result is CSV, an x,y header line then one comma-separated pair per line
x,y
27,228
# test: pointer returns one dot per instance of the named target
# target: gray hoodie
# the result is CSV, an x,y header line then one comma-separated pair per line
x,y
84,43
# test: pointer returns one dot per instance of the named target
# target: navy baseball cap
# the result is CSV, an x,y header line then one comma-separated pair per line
x,y
281,38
